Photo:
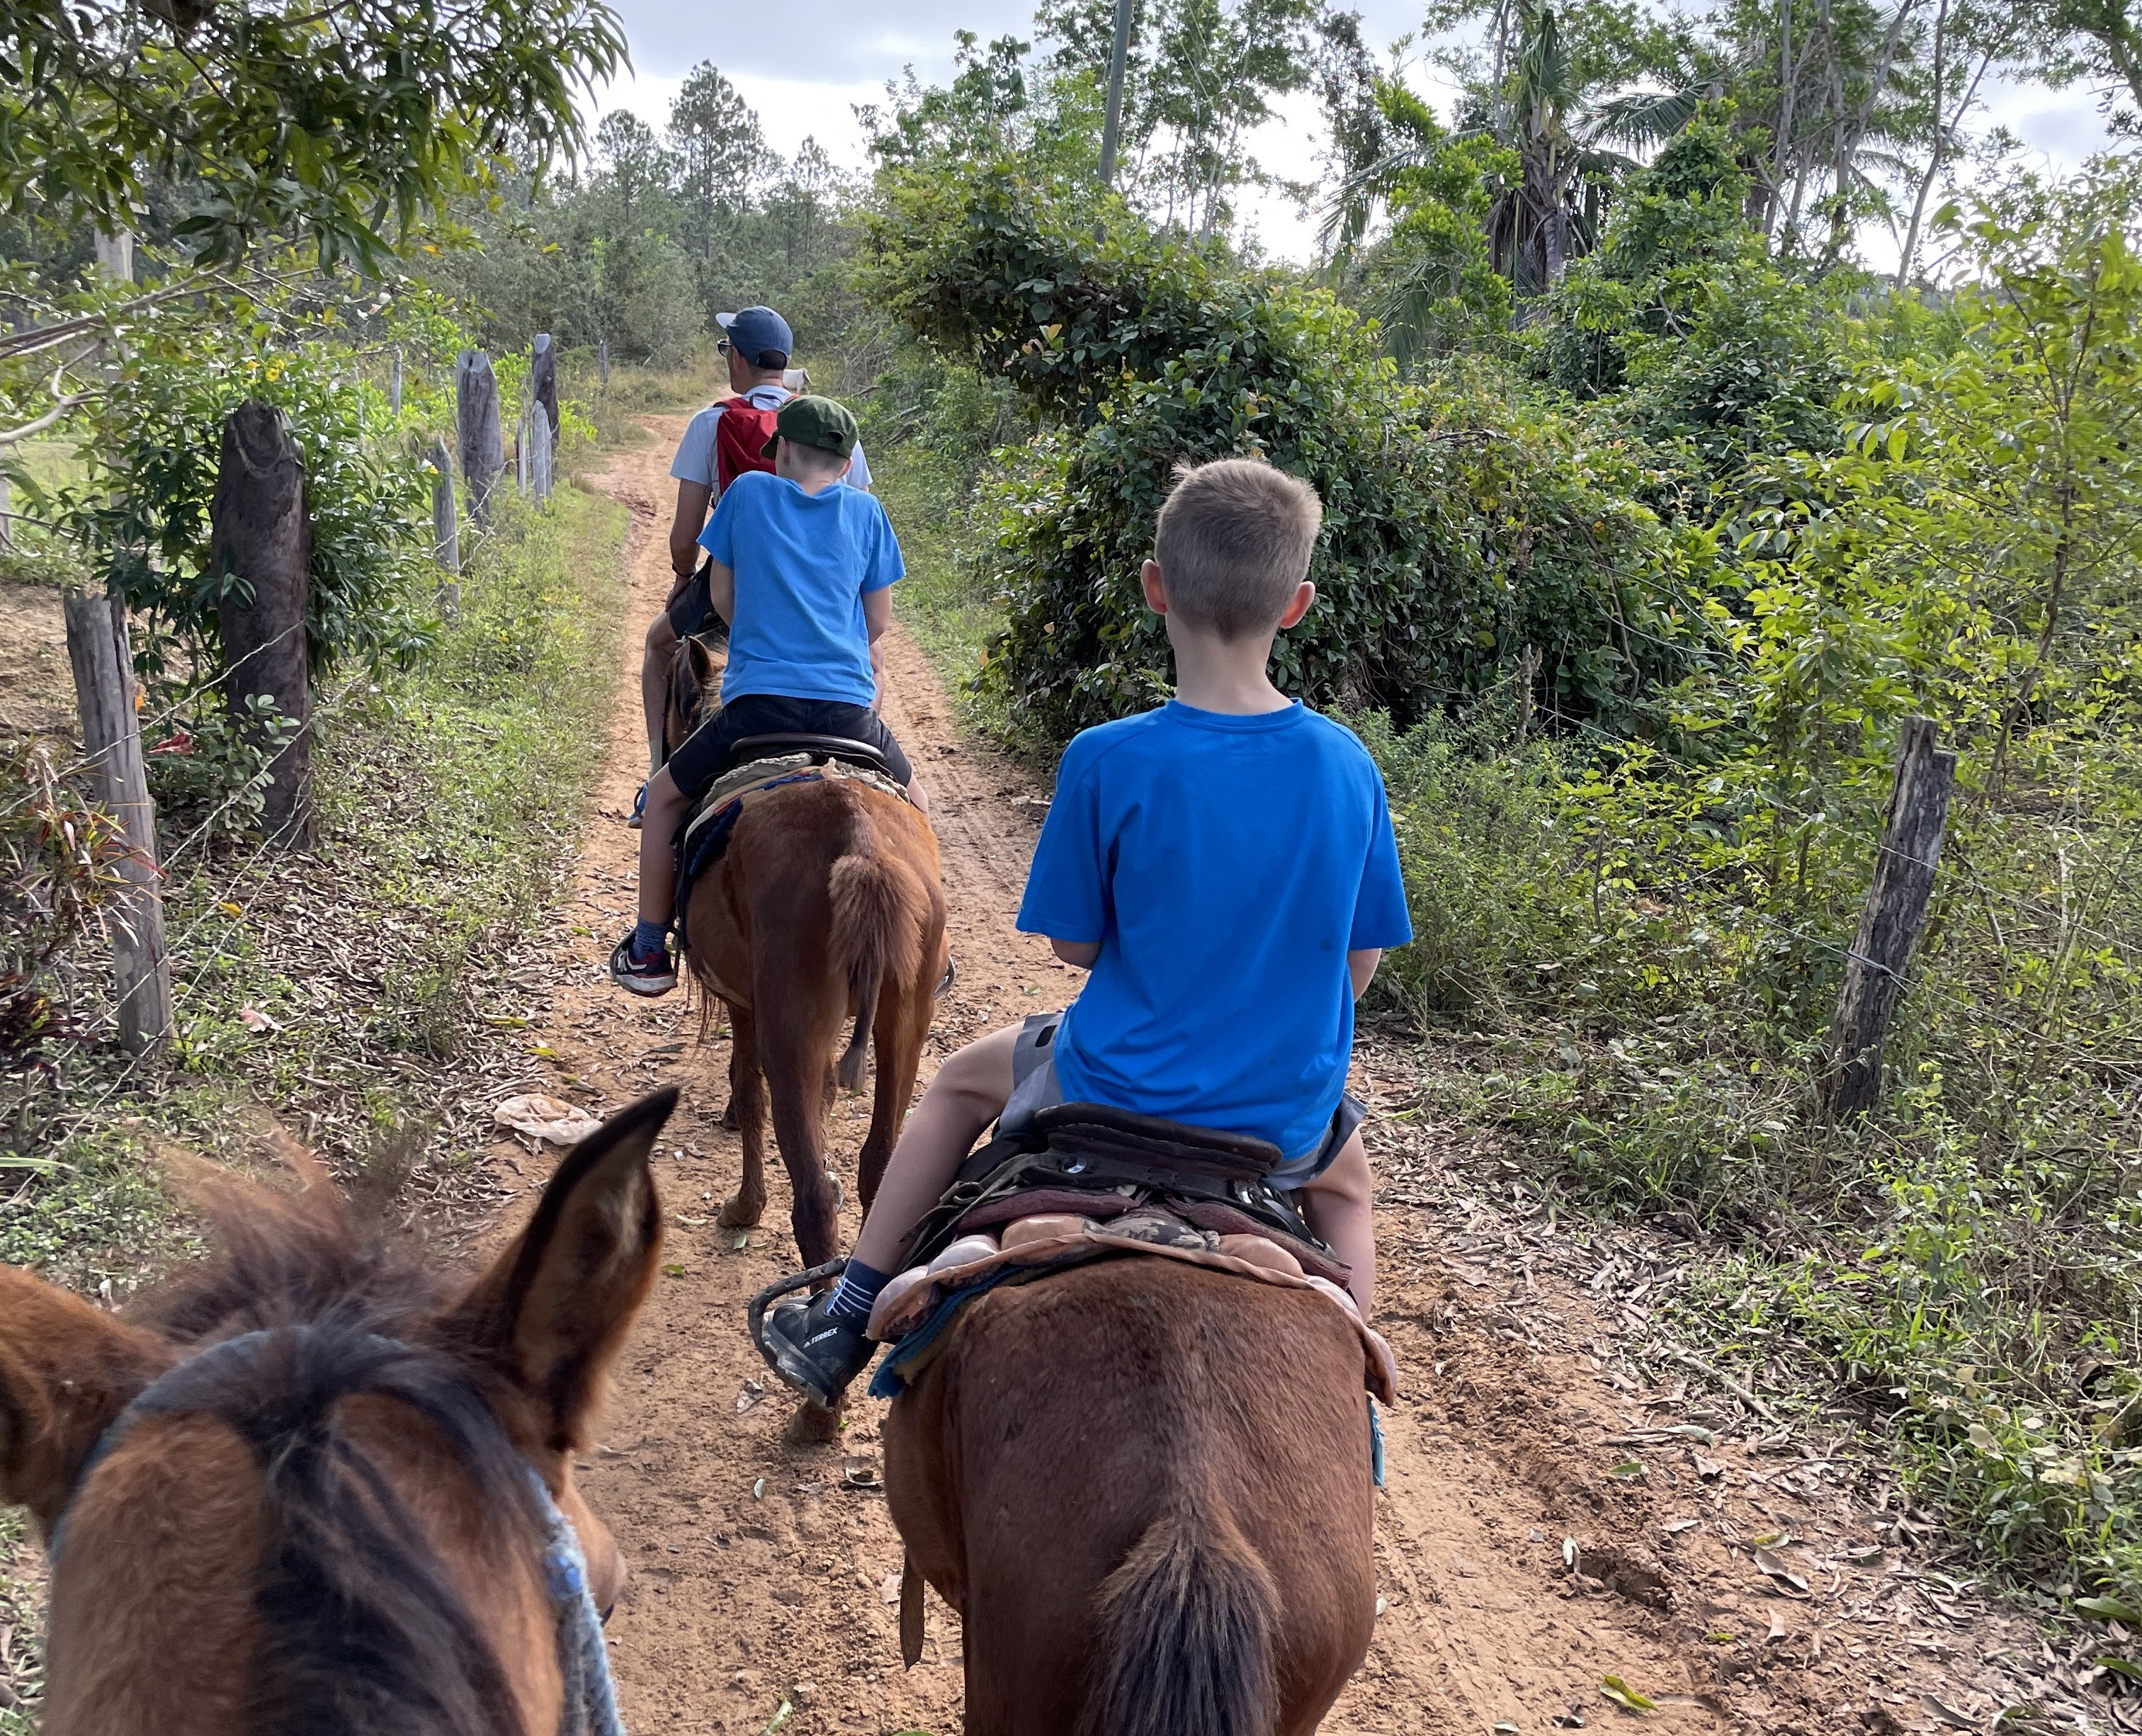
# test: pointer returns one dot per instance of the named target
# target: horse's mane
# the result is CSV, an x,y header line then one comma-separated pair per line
x,y
362,1628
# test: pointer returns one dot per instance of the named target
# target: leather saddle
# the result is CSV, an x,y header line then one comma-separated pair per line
x,y
1102,1162
819,748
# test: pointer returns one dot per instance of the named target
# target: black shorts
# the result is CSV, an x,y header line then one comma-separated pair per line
x,y
693,613
705,754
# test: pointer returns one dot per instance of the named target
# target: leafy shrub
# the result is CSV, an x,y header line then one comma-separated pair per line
x,y
208,771
152,447
1459,525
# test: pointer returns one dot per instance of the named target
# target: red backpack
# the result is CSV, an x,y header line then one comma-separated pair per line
x,y
740,438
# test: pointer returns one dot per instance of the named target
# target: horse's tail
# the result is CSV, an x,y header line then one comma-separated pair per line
x,y
1187,1626
880,910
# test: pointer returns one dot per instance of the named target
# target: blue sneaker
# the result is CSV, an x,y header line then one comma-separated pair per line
x,y
649,976
639,809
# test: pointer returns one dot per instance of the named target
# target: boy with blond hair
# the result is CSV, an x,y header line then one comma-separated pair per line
x,y
1224,865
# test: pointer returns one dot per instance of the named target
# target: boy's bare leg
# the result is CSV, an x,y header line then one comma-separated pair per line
x,y
654,685
918,796
1336,1205
657,862
968,1093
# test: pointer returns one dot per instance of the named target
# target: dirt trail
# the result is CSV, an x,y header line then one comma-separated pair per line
x,y
762,1569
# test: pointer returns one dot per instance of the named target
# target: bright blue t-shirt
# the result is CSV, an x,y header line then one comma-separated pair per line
x,y
802,563
1226,865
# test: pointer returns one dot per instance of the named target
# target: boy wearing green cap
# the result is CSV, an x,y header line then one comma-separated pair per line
x,y
801,567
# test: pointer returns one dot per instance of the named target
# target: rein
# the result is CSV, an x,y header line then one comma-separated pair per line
x,y
590,1693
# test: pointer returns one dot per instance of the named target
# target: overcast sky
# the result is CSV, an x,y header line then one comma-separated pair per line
x,y
804,69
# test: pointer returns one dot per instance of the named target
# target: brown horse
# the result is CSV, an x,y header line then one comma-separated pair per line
x,y
825,908
315,1488
1146,1489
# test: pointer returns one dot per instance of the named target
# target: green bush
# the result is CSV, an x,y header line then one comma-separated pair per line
x,y
1460,524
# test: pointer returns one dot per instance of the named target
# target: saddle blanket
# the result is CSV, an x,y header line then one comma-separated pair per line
x,y
917,1310
706,834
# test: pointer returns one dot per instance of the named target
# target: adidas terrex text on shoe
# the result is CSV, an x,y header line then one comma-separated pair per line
x,y
813,1352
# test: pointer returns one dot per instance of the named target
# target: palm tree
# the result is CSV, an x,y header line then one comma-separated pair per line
x,y
1545,111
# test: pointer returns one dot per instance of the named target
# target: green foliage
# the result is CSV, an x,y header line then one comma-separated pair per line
x,y
1459,526
207,771
1431,281
343,126
152,442
1706,345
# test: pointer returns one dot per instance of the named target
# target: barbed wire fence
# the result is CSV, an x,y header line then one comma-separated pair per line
x,y
111,1010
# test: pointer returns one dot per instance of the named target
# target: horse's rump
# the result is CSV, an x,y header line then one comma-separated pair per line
x,y
1146,1488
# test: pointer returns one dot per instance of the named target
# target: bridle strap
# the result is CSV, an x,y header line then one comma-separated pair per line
x,y
589,1705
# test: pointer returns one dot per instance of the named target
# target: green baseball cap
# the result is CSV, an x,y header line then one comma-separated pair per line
x,y
814,422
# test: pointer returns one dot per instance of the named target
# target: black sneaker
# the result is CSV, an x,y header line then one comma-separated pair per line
x,y
650,976
813,1352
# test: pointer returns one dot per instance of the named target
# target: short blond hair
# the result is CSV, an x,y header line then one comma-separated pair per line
x,y
1233,543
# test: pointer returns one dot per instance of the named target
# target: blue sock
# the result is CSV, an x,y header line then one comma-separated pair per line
x,y
857,1293
648,938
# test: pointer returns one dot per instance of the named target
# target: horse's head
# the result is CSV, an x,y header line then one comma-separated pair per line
x,y
695,684
315,1486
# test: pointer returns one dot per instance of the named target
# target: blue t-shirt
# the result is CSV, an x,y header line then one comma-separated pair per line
x,y
802,564
1226,865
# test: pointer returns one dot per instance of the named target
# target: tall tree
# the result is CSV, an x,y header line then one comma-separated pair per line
x,y
720,153
635,163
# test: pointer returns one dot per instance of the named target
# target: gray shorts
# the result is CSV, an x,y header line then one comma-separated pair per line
x,y
1035,1087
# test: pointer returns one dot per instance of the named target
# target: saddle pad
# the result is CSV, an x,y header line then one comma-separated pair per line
x,y
920,1318
706,834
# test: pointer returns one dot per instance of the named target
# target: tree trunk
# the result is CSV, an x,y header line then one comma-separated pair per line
x,y
260,546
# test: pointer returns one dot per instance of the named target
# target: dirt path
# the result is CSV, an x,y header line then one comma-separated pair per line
x,y
763,1572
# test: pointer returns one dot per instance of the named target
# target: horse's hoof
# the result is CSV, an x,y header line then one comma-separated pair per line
x,y
737,1214
813,1426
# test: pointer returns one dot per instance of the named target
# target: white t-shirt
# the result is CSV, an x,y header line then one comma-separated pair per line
x,y
695,451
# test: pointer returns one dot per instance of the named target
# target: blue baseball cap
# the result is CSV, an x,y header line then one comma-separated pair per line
x,y
758,333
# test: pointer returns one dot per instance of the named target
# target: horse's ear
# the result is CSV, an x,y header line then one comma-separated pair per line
x,y
66,1369
702,662
556,1306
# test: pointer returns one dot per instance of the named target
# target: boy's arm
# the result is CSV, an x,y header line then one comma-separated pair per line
x,y
721,590
1079,954
1361,965
693,500
878,612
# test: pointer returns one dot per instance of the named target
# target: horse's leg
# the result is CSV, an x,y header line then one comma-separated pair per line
x,y
904,1012
748,1101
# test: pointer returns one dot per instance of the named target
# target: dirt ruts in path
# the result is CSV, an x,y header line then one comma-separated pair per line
x,y
762,1571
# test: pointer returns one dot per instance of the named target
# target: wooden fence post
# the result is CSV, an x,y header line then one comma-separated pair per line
x,y
6,513
112,734
521,451
540,455
542,380
1890,921
446,527
602,367
394,383
261,534
483,446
